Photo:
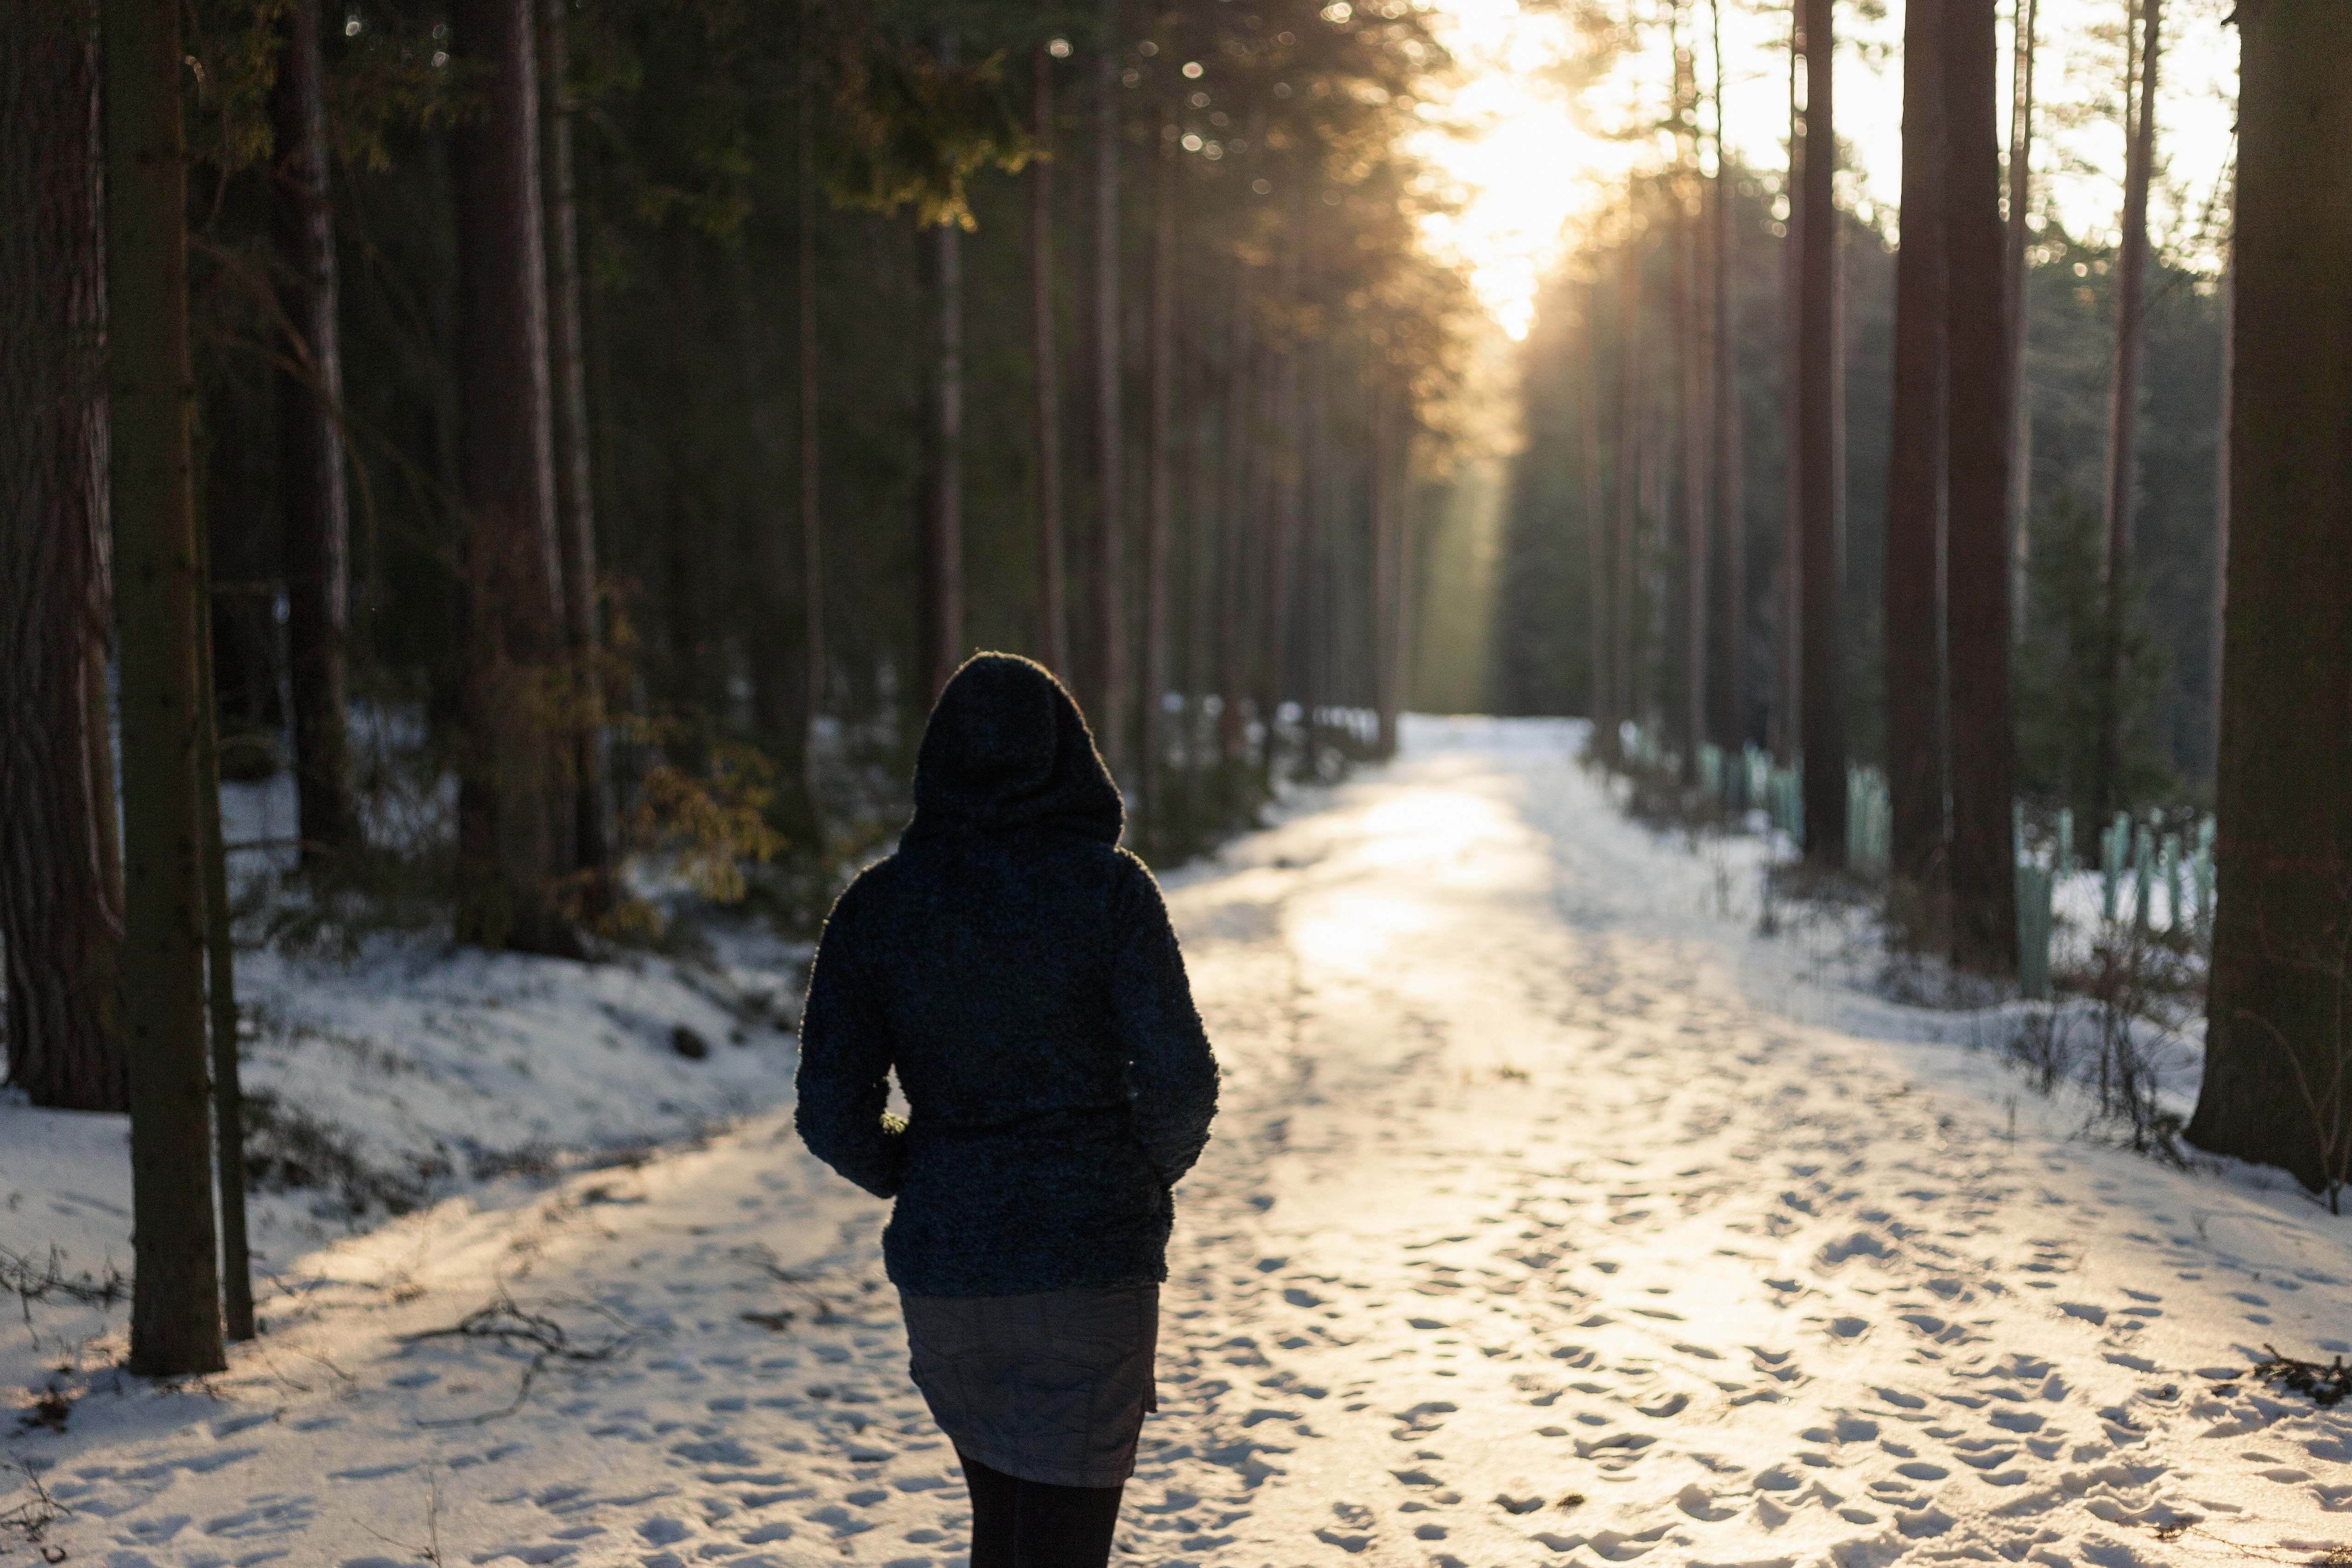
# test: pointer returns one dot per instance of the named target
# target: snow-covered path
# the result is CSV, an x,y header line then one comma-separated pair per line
x,y
1552,1216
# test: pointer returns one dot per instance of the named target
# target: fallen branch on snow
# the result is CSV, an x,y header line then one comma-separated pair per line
x,y
547,1339
2322,1385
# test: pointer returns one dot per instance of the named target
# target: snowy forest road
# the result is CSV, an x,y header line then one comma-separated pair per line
x,y
1552,1216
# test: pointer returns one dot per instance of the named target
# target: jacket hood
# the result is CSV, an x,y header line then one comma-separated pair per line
x,y
1007,747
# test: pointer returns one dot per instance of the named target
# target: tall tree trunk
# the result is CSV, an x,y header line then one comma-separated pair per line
x,y
1239,455
2222,481
1387,548
2020,398
2123,406
312,502
220,964
1731,471
1052,548
1630,414
1110,715
804,346
175,1317
1159,519
1788,717
1275,628
1913,616
778,688
60,894
1975,570
942,552
1822,579
514,795
575,503
2278,1049
1694,409
1600,622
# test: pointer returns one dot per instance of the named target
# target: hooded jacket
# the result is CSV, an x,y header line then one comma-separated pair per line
x,y
1018,971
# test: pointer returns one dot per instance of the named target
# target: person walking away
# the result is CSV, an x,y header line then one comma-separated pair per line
x,y
1018,971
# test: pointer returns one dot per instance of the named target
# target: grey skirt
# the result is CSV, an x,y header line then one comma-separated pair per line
x,y
1049,1387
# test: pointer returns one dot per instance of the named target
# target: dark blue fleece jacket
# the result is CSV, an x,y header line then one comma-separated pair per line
x,y
1016,968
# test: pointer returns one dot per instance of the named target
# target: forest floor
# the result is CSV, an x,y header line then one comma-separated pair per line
x,y
1553,1216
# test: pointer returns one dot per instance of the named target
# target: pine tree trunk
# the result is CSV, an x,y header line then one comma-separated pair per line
x,y
1630,414
1913,616
2278,1057
2021,419
220,966
175,1322
1277,630
1788,719
777,687
514,838
942,552
1732,472
1159,519
1694,412
60,909
575,503
812,532
1240,453
2222,481
312,493
1819,458
1052,548
1601,702
1381,438
1109,705
2123,408
1975,573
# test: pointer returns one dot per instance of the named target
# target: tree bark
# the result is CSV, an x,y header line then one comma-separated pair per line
x,y
515,789
1239,457
1110,712
1602,700
1913,616
312,500
2278,1059
1788,720
1276,643
2123,406
175,1322
2021,195
942,552
1052,548
1159,519
777,689
1628,477
1387,549
812,530
2222,481
220,964
1975,570
575,503
1694,409
1732,472
60,895
1818,459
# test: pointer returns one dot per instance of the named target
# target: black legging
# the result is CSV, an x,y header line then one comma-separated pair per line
x,y
1031,1524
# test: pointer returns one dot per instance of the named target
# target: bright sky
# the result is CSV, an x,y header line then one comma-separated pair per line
x,y
1531,160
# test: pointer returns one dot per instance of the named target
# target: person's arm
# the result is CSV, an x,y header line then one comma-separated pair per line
x,y
844,1081
1172,1075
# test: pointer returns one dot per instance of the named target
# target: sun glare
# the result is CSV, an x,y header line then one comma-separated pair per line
x,y
1522,163
1510,156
